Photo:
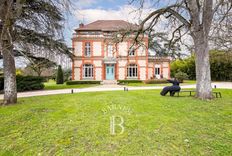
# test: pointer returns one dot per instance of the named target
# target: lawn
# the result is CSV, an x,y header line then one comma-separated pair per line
x,y
51,85
79,124
186,82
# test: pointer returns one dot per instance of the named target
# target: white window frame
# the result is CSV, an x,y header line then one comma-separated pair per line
x,y
132,71
87,49
87,71
110,50
157,70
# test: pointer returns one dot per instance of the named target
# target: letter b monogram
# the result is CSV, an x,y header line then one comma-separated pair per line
x,y
113,124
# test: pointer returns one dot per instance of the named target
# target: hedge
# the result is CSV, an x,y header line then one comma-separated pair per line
x,y
129,81
82,82
26,83
155,81
220,66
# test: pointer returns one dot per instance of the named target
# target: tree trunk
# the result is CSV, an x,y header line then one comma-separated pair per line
x,y
10,88
203,76
39,72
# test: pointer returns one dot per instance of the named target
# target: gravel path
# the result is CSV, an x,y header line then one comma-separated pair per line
x,y
223,85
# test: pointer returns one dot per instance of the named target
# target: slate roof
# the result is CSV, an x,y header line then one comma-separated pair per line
x,y
108,25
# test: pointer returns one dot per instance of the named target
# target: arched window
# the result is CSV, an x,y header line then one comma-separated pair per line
x,y
132,71
87,71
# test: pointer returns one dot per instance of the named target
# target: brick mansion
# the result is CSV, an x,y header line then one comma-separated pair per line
x,y
97,57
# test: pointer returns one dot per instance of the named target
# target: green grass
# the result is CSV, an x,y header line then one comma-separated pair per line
x,y
51,85
78,124
186,82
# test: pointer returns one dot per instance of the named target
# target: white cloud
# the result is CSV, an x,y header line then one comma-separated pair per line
x,y
84,3
126,12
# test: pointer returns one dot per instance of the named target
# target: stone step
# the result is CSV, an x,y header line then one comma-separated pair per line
x,y
109,82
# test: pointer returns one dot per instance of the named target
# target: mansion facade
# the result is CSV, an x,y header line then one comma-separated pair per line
x,y
98,57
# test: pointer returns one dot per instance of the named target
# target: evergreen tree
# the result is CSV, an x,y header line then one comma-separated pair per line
x,y
60,77
25,24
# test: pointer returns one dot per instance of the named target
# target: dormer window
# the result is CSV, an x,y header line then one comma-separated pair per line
x,y
87,49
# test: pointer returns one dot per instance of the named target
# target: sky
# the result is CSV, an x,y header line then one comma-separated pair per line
x,y
87,11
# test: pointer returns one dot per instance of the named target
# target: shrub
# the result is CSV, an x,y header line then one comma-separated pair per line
x,y
47,78
186,65
19,72
129,81
67,74
181,76
155,81
26,83
221,66
60,76
82,82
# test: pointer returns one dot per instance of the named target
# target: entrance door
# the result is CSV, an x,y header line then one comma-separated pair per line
x,y
109,72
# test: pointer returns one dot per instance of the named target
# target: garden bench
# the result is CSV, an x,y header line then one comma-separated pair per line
x,y
217,94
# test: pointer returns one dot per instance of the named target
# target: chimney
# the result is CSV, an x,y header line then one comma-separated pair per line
x,y
81,25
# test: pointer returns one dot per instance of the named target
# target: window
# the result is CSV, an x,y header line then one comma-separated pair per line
x,y
132,52
87,71
110,50
157,71
132,71
87,49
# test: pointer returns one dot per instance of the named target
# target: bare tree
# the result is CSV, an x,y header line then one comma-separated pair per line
x,y
221,34
39,64
194,18
25,23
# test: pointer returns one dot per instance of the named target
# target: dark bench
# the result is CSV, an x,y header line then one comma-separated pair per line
x,y
217,94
